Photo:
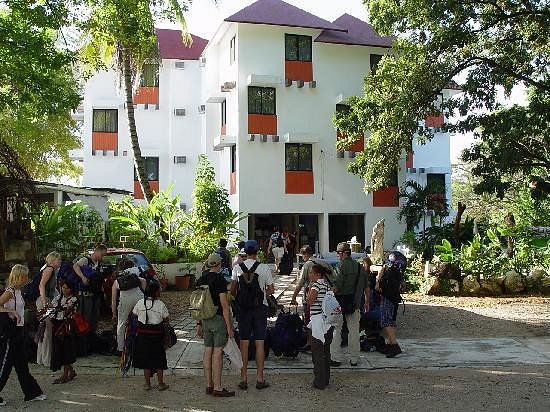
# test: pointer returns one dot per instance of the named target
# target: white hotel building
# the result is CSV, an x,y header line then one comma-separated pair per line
x,y
258,100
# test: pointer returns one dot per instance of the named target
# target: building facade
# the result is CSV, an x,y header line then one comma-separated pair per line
x,y
269,82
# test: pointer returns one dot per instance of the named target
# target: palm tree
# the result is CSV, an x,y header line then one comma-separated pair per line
x,y
121,34
418,201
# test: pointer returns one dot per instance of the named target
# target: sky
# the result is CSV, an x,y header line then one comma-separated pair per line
x,y
204,16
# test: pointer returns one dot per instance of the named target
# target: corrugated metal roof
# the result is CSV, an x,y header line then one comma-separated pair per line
x,y
171,45
279,13
358,33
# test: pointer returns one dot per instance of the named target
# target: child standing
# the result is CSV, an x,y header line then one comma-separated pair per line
x,y
64,340
12,353
149,352
320,351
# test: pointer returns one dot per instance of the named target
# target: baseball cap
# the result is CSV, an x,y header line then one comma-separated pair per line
x,y
213,260
343,247
251,247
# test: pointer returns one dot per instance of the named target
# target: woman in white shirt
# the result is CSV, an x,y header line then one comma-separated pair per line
x,y
12,353
149,353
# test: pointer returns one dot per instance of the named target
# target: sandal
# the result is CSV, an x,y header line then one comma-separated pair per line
x,y
243,385
209,390
224,393
71,376
163,386
262,385
60,380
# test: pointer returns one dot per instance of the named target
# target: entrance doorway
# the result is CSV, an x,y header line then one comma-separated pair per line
x,y
341,228
303,228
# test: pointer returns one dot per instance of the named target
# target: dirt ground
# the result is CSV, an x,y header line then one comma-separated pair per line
x,y
489,389
428,317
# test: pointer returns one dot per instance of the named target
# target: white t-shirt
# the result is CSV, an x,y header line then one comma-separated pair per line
x,y
264,275
156,311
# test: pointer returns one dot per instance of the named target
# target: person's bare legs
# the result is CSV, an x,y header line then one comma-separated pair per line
x,y
260,357
207,366
147,375
391,332
244,355
217,363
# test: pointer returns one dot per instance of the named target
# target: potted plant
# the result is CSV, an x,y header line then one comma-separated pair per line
x,y
161,275
183,281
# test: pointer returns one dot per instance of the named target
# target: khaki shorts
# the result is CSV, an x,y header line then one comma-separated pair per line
x,y
215,332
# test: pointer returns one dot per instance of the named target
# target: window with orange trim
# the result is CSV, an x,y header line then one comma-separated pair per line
x,y
105,120
298,157
151,168
261,100
297,48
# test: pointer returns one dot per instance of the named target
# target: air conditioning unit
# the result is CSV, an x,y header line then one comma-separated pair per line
x,y
179,112
202,108
179,65
180,159
202,61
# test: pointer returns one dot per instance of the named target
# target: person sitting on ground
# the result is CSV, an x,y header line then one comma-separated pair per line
x,y
320,351
215,331
251,291
131,287
149,353
64,341
12,350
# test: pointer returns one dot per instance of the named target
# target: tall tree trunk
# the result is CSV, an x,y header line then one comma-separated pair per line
x,y
458,218
139,164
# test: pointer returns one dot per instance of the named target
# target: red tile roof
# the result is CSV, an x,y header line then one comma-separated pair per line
x,y
171,45
279,13
358,33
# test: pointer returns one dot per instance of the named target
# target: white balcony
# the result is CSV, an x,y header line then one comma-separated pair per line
x,y
263,80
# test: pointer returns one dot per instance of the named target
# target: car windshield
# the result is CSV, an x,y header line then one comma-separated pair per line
x,y
138,259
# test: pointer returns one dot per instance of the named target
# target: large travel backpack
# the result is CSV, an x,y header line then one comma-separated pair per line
x,y
249,292
31,291
287,336
390,282
201,303
286,265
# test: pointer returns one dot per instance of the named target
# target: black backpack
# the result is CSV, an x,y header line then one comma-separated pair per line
x,y
390,283
287,336
249,292
127,280
31,291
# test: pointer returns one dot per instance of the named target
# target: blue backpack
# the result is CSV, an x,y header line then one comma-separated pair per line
x,y
287,336
31,292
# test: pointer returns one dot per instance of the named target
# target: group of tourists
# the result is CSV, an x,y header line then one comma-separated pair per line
x,y
239,287
250,287
67,304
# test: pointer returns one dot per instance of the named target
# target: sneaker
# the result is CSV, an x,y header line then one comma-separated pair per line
x,y
335,364
39,398
393,351
3,402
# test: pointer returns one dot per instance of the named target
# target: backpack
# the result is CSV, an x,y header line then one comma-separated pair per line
x,y
331,308
31,291
390,283
95,282
201,304
287,336
249,292
128,280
